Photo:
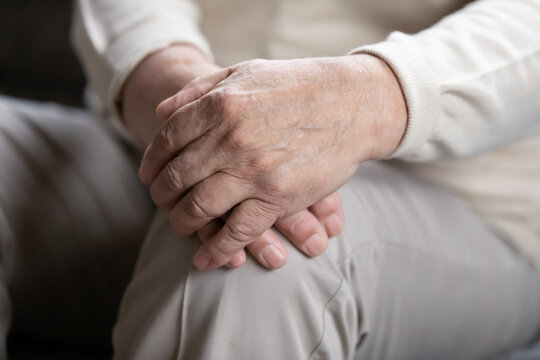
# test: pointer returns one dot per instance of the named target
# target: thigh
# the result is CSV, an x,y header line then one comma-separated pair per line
x,y
430,280
415,275
76,214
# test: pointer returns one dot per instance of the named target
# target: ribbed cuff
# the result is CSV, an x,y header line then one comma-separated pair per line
x,y
420,87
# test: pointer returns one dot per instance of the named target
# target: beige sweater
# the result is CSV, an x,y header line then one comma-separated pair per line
x,y
471,79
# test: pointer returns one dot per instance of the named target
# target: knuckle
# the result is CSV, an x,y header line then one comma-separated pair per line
x,y
195,208
240,178
240,232
271,211
239,139
220,100
263,162
265,211
302,225
257,216
226,103
174,175
278,187
168,135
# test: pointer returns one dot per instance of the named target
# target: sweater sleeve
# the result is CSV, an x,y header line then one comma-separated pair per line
x,y
471,81
112,36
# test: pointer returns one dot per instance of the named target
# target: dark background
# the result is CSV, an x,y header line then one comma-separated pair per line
x,y
37,62
36,59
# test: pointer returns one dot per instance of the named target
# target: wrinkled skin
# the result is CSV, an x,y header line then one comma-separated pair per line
x,y
160,76
263,140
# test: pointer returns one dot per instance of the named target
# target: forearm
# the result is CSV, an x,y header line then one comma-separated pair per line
x,y
113,38
156,78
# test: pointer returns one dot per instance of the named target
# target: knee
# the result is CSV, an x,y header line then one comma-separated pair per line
x,y
200,314
278,312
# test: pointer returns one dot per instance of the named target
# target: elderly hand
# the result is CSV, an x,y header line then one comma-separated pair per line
x,y
266,139
164,73
308,230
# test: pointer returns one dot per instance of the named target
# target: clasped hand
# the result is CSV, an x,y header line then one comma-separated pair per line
x,y
263,140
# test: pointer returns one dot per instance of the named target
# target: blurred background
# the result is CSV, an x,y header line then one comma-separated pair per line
x,y
36,60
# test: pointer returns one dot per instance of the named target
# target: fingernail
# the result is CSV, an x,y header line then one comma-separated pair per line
x,y
201,261
272,257
313,245
333,225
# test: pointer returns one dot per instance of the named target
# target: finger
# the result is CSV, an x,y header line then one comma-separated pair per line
x,y
238,260
183,172
305,231
186,125
209,199
268,250
247,222
191,92
210,230
329,211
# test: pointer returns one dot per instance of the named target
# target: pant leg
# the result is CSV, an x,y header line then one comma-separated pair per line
x,y
415,275
76,215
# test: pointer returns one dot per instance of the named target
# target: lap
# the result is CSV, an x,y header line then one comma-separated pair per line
x,y
415,275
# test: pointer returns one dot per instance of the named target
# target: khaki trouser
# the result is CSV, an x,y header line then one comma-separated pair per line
x,y
415,275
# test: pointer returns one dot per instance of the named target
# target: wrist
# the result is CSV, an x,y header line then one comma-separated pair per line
x,y
157,77
389,106
165,72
